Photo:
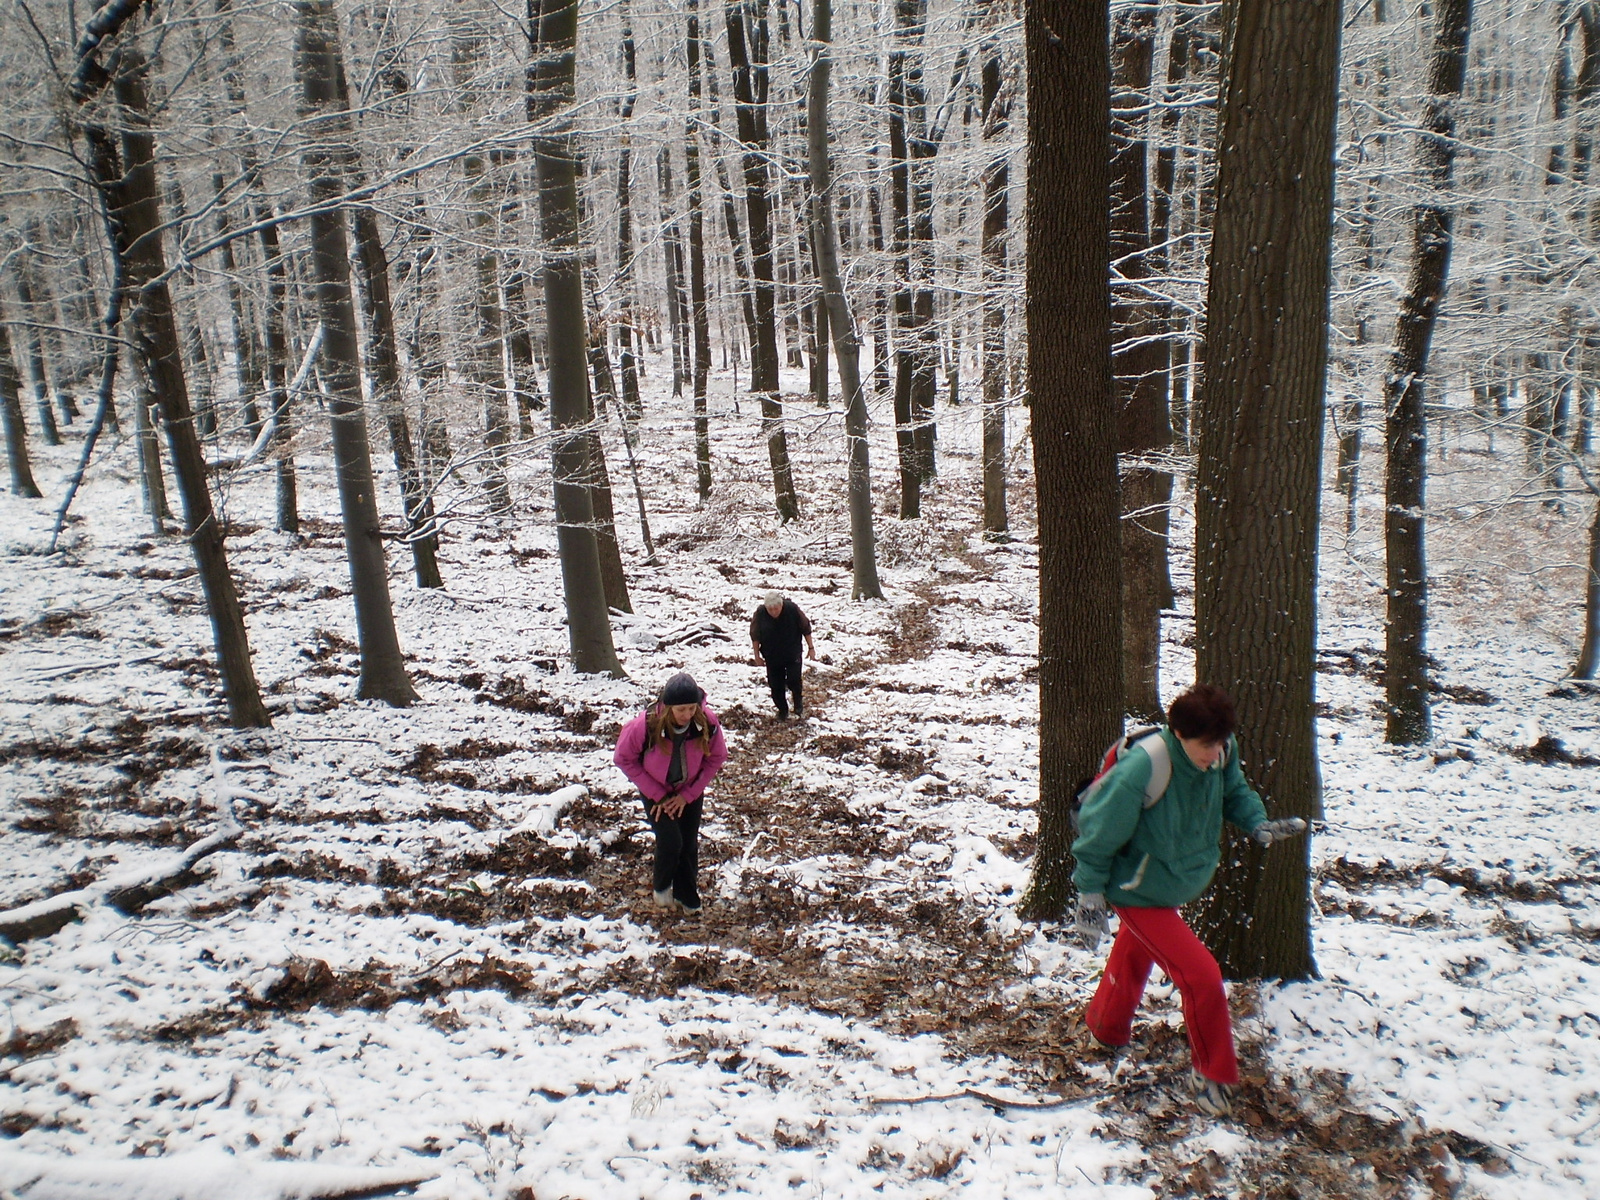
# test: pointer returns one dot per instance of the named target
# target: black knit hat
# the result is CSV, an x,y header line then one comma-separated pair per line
x,y
682,689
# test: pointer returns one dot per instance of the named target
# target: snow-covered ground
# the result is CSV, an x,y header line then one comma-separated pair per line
x,y
429,954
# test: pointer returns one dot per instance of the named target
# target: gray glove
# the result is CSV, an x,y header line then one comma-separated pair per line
x,y
1276,831
1093,919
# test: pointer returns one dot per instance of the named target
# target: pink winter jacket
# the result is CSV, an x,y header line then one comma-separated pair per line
x,y
648,768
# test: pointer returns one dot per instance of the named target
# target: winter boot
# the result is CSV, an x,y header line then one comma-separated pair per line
x,y
1210,1097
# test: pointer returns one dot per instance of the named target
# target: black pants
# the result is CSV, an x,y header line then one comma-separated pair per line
x,y
782,677
677,852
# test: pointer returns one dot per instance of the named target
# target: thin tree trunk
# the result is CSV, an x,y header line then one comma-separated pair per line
x,y
151,480
1405,425
864,583
700,312
552,85
383,372
996,111
1141,365
1261,415
330,145
128,184
627,337
22,483
748,19
1074,420
483,365
38,380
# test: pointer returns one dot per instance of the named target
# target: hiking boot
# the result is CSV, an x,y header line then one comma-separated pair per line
x,y
1210,1097
663,899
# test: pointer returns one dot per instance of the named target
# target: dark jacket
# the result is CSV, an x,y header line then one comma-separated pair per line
x,y
782,637
1163,856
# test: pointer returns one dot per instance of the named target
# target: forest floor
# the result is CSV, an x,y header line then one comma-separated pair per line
x,y
431,949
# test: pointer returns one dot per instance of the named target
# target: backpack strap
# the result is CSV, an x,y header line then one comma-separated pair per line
x,y
1155,747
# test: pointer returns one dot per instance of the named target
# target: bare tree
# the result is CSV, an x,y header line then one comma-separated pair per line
x,y
1406,665
553,30
841,321
326,150
122,168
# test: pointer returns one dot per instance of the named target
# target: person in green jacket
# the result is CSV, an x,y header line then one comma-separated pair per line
x,y
1144,851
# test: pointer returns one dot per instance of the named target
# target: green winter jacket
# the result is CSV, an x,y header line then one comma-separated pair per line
x,y
1165,855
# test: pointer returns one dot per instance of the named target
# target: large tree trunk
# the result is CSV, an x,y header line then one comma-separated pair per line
x,y
1261,453
1405,426
22,483
1074,420
996,218
552,86
750,91
128,183
318,63
864,583
1141,364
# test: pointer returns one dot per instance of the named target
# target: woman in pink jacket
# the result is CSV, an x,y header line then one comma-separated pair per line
x,y
671,751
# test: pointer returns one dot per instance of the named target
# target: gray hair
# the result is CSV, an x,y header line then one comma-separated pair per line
x,y
773,598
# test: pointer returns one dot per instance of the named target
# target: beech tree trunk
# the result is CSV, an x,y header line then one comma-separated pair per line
x,y
318,63
1405,424
1261,414
996,110
551,95
22,483
127,182
864,583
1141,365
700,313
383,373
748,18
1074,420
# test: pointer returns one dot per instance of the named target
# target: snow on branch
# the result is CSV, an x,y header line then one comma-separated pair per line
x,y
132,891
197,1176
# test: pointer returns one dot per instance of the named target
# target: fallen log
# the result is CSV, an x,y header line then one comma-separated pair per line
x,y
132,891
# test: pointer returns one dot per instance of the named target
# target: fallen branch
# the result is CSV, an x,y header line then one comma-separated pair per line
x,y
44,674
993,1101
130,893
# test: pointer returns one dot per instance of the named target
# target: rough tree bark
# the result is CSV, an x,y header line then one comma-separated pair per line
x,y
996,115
1068,309
1405,419
1141,363
1261,452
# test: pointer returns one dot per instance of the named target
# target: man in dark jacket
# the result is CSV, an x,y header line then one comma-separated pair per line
x,y
776,630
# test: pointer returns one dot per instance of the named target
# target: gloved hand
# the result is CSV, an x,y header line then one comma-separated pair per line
x,y
1092,920
1276,831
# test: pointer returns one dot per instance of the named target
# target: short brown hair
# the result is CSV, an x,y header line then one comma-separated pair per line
x,y
1205,712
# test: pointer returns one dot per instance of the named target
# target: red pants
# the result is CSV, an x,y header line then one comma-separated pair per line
x,y
1158,937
